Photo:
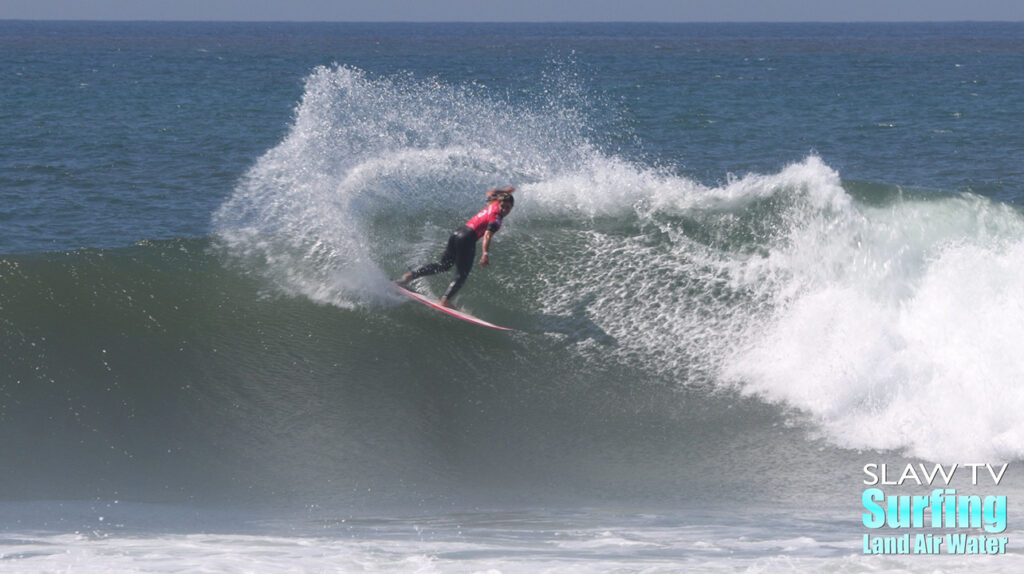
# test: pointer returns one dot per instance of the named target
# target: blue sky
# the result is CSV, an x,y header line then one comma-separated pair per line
x,y
518,10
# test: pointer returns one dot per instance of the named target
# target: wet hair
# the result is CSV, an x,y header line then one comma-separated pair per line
x,y
502,196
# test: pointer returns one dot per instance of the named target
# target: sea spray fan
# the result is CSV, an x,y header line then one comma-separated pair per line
x,y
317,214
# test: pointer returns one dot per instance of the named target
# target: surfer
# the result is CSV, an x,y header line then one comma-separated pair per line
x,y
461,246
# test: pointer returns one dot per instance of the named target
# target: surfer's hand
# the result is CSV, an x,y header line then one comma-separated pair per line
x,y
485,260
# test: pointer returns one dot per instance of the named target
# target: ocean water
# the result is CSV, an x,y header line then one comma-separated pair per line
x,y
745,262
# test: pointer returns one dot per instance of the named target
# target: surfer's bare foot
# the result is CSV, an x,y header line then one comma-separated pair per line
x,y
404,281
444,303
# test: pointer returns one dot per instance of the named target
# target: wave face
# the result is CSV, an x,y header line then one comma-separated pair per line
x,y
662,322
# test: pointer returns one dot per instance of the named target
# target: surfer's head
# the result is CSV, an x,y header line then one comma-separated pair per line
x,y
504,197
507,203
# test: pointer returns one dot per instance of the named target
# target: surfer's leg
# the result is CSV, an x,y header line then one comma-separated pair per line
x,y
465,250
460,278
444,264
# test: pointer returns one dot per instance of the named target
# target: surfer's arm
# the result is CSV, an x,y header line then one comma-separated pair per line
x,y
485,257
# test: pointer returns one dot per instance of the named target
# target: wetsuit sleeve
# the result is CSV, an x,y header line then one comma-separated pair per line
x,y
495,218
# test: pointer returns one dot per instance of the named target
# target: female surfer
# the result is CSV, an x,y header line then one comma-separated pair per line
x,y
461,246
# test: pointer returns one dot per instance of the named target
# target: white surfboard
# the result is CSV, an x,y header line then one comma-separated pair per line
x,y
449,311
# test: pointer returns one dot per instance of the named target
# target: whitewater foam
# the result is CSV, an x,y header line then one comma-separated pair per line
x,y
894,334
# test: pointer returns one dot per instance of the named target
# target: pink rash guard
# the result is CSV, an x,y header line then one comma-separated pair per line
x,y
487,220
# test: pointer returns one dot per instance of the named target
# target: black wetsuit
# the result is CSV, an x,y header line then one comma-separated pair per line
x,y
460,251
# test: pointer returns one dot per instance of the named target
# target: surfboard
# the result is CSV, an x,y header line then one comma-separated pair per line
x,y
449,311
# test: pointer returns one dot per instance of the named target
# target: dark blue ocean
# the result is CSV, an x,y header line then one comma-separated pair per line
x,y
746,260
